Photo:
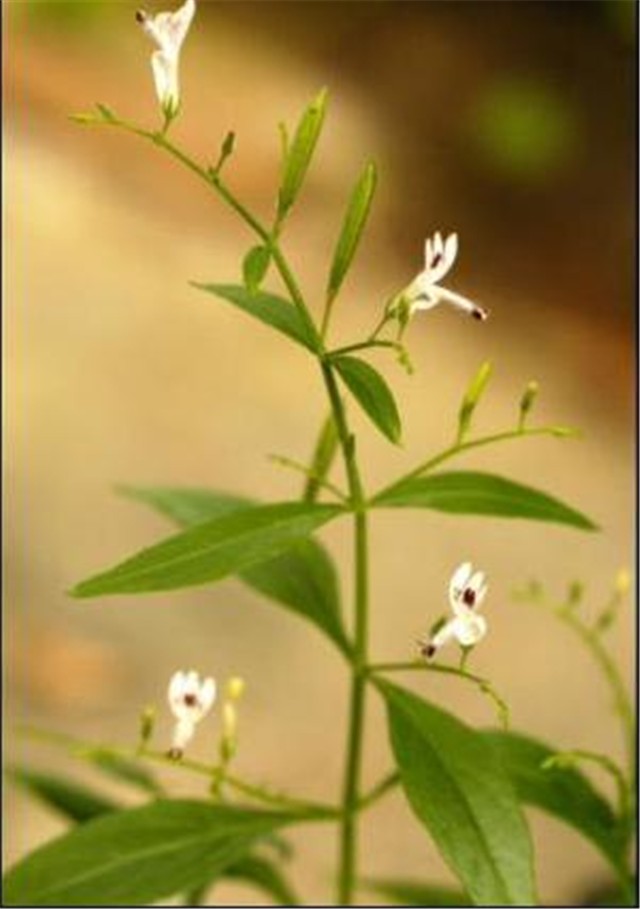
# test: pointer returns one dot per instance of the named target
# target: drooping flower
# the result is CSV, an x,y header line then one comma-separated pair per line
x,y
425,291
467,590
190,699
167,31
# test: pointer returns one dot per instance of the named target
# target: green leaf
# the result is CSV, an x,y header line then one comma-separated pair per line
x,y
456,786
137,856
299,152
417,893
372,393
213,550
266,876
323,457
123,769
303,578
252,869
352,227
563,792
254,267
71,799
466,492
270,309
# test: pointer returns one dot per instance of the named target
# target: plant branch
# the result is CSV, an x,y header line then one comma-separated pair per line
x,y
567,758
386,784
621,699
83,750
363,345
311,474
462,447
484,685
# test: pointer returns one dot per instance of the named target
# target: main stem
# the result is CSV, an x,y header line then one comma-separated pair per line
x,y
353,761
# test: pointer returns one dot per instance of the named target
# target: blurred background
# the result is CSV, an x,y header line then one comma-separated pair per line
x,y
510,122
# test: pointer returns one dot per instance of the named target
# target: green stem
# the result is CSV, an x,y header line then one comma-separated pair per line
x,y
484,685
562,758
609,669
351,784
84,750
457,449
362,345
386,784
310,474
213,179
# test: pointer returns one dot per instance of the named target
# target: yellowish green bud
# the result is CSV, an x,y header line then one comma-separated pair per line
x,y
527,401
147,724
471,398
235,688
623,582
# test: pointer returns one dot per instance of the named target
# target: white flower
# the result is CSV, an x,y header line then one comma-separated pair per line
x,y
190,700
467,590
167,31
425,291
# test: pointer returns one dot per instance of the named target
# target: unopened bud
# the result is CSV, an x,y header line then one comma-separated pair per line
x,y
574,594
229,720
235,688
527,401
623,582
227,145
471,398
147,724
621,588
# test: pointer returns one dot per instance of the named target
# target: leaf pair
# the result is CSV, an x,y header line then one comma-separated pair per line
x,y
465,787
226,535
80,804
138,856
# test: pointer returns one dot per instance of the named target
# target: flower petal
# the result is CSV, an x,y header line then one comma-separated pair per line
x,y
207,694
450,250
444,634
165,77
459,302
469,629
182,733
459,580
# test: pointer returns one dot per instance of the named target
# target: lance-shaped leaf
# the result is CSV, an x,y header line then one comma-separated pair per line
x,y
73,800
299,151
563,792
270,309
264,875
372,393
352,227
137,856
213,550
455,784
254,267
303,578
123,769
467,492
417,893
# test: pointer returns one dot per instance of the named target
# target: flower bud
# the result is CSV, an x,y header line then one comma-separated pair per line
x,y
623,582
235,688
147,725
574,594
471,398
527,401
